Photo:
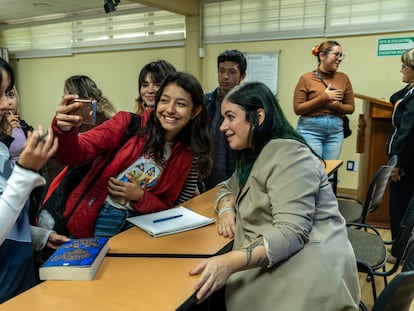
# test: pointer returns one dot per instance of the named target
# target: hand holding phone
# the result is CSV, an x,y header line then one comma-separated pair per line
x,y
87,111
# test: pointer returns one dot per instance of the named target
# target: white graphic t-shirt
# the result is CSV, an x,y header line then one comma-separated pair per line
x,y
145,172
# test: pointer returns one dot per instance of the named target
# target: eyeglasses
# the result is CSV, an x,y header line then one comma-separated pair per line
x,y
338,55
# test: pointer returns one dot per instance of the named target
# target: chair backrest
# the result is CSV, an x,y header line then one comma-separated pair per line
x,y
409,258
400,245
377,188
397,295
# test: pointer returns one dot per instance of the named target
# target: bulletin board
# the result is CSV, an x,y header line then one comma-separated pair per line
x,y
263,67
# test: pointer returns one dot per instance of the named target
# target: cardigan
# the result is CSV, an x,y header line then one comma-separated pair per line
x,y
289,201
97,144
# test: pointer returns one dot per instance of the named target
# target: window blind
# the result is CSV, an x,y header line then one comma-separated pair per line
x,y
147,29
245,20
368,16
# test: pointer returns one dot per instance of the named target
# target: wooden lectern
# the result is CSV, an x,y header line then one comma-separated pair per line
x,y
377,121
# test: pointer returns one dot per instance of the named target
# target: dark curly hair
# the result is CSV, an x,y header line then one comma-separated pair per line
x,y
194,134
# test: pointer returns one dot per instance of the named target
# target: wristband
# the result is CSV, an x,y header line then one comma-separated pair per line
x,y
225,209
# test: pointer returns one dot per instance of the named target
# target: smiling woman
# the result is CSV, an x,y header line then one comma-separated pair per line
x,y
280,208
149,171
321,99
400,144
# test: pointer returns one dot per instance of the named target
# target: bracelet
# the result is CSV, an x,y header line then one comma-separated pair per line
x,y
225,209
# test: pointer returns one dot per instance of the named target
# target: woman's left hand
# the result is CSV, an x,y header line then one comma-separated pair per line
x,y
215,272
395,174
129,190
55,240
227,224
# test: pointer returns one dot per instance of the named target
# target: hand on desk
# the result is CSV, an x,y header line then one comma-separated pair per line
x,y
227,224
214,273
55,240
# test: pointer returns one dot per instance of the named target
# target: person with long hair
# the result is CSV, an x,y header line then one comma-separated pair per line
x,y
147,173
289,236
17,238
15,129
149,81
321,98
85,88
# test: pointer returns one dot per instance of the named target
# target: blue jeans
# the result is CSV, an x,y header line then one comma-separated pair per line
x,y
323,133
112,221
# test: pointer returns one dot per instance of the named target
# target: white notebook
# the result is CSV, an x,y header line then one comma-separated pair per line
x,y
170,221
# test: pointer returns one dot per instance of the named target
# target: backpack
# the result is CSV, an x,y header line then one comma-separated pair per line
x,y
53,204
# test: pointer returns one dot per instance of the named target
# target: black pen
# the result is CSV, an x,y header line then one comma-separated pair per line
x,y
166,218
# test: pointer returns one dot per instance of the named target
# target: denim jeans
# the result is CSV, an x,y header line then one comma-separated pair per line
x,y
323,133
111,221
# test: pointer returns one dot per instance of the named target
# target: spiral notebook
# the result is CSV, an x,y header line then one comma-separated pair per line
x,y
170,221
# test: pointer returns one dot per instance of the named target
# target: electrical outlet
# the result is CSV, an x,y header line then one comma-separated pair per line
x,y
350,165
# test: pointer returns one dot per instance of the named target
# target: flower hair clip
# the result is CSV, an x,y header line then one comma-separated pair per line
x,y
315,50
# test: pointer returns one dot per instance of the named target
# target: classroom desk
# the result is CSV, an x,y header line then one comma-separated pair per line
x,y
134,281
120,284
201,242
331,168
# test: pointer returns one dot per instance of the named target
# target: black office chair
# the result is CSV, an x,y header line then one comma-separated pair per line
x,y
370,250
407,267
396,296
353,210
409,257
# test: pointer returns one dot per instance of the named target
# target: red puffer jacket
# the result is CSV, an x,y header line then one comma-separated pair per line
x,y
97,144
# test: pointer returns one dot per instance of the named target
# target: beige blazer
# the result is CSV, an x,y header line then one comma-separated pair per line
x,y
289,200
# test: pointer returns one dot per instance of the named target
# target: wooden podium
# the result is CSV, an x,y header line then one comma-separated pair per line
x,y
377,120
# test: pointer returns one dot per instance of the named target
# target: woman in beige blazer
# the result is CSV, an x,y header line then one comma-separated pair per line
x,y
291,250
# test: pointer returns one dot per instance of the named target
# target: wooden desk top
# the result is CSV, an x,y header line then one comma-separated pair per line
x,y
332,166
201,242
120,284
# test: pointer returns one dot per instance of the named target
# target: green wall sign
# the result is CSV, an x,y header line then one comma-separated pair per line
x,y
394,46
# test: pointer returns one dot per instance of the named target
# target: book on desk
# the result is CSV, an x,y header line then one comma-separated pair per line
x,y
170,221
78,259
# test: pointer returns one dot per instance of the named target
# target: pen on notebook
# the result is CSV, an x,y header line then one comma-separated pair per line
x,y
166,218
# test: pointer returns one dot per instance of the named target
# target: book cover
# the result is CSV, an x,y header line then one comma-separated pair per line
x,y
170,221
78,259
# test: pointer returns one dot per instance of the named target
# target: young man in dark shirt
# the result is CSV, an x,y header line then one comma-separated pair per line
x,y
231,69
